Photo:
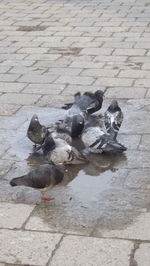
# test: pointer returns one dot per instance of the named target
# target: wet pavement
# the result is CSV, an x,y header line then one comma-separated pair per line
x,y
50,50
107,193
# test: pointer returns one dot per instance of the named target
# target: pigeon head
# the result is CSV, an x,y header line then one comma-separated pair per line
x,y
34,121
77,125
114,106
99,94
35,118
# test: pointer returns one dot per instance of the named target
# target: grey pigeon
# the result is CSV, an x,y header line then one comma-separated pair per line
x,y
60,152
83,105
60,130
42,178
36,132
113,119
88,102
97,141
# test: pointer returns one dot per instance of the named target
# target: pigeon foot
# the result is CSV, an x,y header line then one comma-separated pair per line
x,y
47,198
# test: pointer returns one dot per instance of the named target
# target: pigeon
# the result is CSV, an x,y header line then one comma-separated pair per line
x,y
113,119
83,106
60,152
42,178
37,132
75,123
96,140
88,102
60,130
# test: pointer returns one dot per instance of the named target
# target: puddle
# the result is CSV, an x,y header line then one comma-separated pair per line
x,y
107,191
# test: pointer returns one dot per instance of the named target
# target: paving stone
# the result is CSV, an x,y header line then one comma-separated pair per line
x,y
53,89
105,252
110,58
121,44
42,56
129,52
96,51
18,62
138,178
4,69
99,73
10,213
30,78
125,92
27,70
11,87
142,255
86,64
134,74
4,165
112,82
129,141
142,83
23,247
135,230
75,80
146,65
55,101
33,50
140,160
148,94
8,77
8,109
145,144
64,71
15,98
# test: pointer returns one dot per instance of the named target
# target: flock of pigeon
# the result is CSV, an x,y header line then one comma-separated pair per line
x,y
98,134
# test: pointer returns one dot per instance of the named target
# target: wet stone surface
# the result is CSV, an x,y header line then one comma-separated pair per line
x,y
107,193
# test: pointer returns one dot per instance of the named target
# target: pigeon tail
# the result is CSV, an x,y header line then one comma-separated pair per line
x,y
18,181
114,147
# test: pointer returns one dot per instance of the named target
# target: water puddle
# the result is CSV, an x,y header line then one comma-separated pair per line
x,y
103,191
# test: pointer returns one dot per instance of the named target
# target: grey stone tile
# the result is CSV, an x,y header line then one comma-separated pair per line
x,y
138,179
33,248
10,213
129,141
8,109
126,92
145,143
55,101
35,88
22,98
142,255
92,251
135,230
4,167
139,159
11,87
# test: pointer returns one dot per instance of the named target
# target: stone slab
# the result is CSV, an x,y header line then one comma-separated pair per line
x,y
77,250
138,229
145,143
8,109
142,255
10,212
33,248
126,92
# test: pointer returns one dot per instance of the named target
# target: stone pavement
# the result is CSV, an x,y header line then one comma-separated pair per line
x,y
48,51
